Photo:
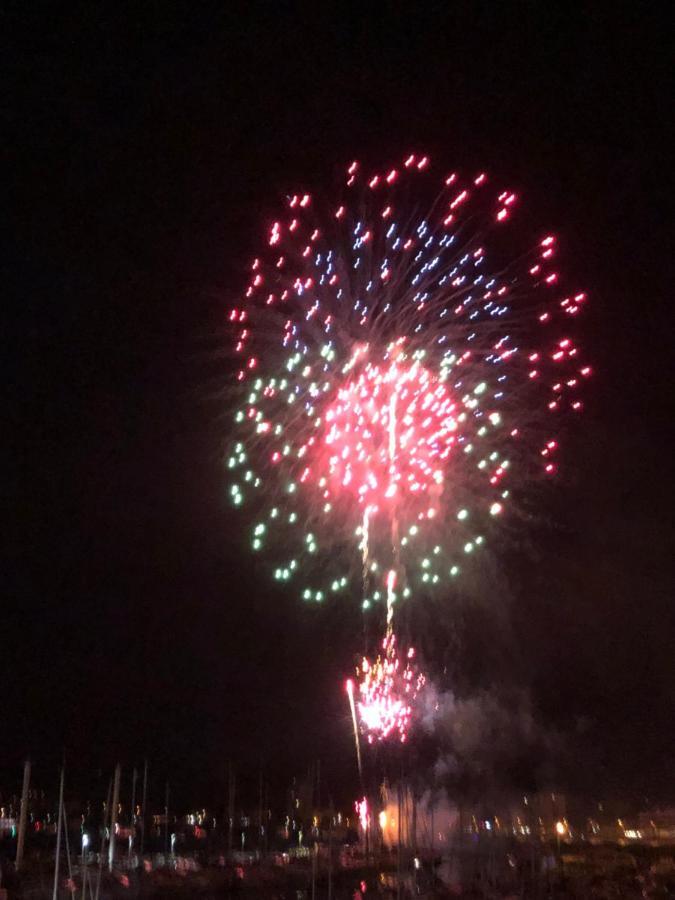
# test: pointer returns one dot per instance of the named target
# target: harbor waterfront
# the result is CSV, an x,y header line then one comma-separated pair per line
x,y
397,843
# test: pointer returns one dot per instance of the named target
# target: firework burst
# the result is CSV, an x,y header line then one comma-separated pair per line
x,y
400,373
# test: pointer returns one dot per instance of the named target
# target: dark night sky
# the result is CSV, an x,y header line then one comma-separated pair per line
x,y
144,145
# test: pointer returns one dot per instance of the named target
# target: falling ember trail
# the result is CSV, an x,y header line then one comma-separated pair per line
x,y
365,546
391,597
350,694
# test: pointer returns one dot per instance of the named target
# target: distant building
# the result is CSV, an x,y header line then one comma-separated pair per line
x,y
657,824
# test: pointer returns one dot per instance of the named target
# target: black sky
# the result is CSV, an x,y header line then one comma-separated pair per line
x,y
145,143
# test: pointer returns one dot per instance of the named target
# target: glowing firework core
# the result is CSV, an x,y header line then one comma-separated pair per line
x,y
390,429
361,807
388,689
